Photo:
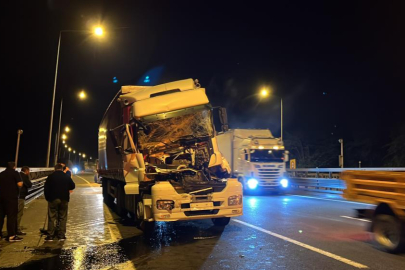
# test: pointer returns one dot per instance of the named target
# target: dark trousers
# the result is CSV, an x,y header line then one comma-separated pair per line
x,y
21,205
57,217
9,208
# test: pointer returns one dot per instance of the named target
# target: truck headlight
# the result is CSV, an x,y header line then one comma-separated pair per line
x,y
284,182
252,183
164,205
235,200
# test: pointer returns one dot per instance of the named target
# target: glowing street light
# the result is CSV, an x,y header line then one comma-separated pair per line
x,y
67,129
74,152
63,142
99,31
69,149
64,137
84,155
66,146
264,92
82,95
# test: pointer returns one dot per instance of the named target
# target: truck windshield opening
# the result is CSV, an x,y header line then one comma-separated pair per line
x,y
167,131
266,155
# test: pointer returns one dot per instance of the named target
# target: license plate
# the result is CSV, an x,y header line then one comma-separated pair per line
x,y
198,206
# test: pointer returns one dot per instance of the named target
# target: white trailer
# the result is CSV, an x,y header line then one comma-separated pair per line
x,y
257,159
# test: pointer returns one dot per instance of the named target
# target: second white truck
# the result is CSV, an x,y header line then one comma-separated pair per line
x,y
257,159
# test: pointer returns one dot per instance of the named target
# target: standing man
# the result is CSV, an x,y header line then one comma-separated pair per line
x,y
57,192
10,181
24,174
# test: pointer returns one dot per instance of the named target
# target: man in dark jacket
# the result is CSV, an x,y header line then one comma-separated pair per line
x,y
57,192
10,181
24,174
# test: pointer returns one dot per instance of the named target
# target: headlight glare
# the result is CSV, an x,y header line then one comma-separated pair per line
x,y
252,183
284,182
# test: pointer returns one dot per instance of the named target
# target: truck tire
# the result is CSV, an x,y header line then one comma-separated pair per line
x,y
388,232
221,221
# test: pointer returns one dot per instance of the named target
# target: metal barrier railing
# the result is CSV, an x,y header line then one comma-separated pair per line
x,y
37,177
325,179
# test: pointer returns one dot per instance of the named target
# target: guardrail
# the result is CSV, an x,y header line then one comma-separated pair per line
x,y
325,179
37,177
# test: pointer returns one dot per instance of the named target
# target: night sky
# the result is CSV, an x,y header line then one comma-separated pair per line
x,y
338,66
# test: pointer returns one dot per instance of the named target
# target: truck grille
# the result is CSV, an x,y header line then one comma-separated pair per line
x,y
269,176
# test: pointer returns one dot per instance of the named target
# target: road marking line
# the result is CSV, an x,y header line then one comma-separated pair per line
x,y
360,219
87,182
330,200
320,251
109,218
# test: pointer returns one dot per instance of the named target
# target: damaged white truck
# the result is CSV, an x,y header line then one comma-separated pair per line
x,y
159,158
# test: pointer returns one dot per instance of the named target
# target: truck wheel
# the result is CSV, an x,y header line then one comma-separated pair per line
x,y
139,211
221,221
388,233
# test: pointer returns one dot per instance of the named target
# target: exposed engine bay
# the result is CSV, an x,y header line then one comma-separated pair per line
x,y
178,150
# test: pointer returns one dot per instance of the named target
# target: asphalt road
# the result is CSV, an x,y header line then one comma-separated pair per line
x,y
275,232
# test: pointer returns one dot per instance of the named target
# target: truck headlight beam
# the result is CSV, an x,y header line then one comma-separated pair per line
x,y
284,182
252,183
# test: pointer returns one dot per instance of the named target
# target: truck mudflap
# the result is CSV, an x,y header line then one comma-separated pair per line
x,y
168,205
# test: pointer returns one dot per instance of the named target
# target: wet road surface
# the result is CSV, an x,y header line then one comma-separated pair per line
x,y
275,232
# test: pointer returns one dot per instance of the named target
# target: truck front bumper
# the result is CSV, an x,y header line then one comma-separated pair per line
x,y
194,206
196,214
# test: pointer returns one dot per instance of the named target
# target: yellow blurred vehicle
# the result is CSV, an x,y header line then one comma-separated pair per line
x,y
387,191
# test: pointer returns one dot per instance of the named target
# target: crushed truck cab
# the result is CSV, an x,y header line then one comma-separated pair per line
x,y
159,159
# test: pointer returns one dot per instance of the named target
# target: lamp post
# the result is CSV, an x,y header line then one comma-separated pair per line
x,y
19,132
99,32
70,150
264,93
82,95
341,153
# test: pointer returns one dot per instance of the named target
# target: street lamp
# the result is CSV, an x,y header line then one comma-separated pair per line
x,y
98,32
67,129
341,153
82,95
70,150
264,93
